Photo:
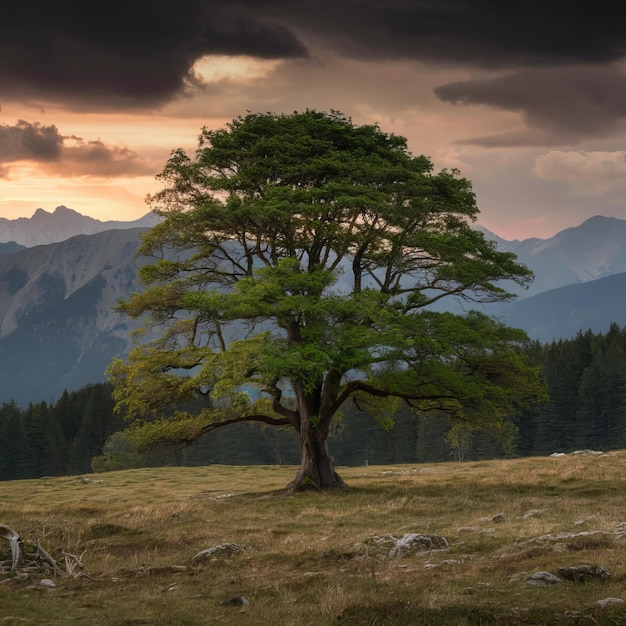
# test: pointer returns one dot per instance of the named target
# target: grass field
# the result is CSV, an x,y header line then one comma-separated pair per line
x,y
125,542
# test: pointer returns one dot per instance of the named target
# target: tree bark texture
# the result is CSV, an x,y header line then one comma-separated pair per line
x,y
317,470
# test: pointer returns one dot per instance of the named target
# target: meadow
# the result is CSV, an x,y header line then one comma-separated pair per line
x,y
125,543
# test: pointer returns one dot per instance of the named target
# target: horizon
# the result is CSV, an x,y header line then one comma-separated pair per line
x,y
146,212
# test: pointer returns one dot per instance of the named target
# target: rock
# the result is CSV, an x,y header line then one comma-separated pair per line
x,y
587,452
533,513
87,481
578,453
412,543
576,617
47,583
565,536
225,495
235,601
542,579
607,601
449,562
498,518
582,573
221,550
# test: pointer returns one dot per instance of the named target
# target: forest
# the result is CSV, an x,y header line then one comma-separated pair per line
x,y
585,376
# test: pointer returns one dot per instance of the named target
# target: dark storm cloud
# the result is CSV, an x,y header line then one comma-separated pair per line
x,y
123,53
66,155
140,53
488,33
558,105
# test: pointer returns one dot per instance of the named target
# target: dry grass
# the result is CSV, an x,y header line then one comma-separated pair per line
x,y
125,541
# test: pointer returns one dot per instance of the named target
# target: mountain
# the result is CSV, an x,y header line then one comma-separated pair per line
x,y
58,329
595,249
10,247
63,223
580,281
561,313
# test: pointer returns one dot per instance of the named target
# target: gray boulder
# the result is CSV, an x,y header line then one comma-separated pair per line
x,y
542,579
408,544
220,550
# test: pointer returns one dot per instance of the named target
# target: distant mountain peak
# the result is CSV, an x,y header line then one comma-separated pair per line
x,y
63,210
45,227
600,219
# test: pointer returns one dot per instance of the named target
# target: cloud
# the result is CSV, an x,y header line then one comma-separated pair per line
x,y
488,33
558,106
141,54
61,155
29,141
123,54
584,173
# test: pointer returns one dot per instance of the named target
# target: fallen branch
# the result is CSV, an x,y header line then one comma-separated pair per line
x,y
17,555
19,558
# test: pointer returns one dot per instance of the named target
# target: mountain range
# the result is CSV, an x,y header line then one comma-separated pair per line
x,y
61,274
61,224
595,249
58,328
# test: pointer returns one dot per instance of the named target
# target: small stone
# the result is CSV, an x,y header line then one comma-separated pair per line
x,y
221,550
412,543
47,583
607,601
533,513
498,518
225,495
542,579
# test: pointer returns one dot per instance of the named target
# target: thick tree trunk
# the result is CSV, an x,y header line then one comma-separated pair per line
x,y
317,470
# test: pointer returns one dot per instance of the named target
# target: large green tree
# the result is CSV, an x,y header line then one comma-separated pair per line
x,y
296,267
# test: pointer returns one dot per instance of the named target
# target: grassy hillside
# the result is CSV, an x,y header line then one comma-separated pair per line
x,y
125,542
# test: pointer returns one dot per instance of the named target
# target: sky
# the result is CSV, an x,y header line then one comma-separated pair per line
x,y
526,98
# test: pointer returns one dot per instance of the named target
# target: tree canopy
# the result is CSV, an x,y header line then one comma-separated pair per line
x,y
299,265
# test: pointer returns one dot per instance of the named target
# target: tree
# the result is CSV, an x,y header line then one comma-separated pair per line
x,y
295,268
45,442
14,457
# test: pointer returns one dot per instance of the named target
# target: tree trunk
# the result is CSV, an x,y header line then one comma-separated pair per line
x,y
317,470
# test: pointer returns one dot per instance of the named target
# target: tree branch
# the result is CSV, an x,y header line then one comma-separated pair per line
x,y
357,385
